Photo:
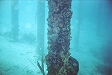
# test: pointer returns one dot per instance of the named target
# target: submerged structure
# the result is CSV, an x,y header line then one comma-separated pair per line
x,y
14,19
58,59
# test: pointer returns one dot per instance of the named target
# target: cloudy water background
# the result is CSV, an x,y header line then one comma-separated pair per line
x,y
91,42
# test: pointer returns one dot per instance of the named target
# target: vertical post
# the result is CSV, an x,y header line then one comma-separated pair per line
x,y
40,31
40,26
14,19
58,59
79,20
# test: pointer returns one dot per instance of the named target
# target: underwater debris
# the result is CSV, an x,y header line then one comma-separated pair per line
x,y
58,59
42,66
39,66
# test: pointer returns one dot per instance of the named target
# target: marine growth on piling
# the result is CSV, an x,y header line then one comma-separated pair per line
x,y
58,59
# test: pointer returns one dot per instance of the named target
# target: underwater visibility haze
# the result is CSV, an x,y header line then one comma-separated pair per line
x,y
55,37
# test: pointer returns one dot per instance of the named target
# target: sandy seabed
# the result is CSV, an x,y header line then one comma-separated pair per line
x,y
17,58
21,59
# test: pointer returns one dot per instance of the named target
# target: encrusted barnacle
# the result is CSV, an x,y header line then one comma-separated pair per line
x,y
56,9
52,38
69,13
55,24
60,40
49,30
64,29
56,30
61,25
48,47
57,17
67,23
50,21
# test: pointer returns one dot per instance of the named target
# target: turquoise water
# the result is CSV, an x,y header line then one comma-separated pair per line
x,y
91,42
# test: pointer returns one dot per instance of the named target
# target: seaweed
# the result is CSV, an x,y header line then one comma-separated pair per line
x,y
41,67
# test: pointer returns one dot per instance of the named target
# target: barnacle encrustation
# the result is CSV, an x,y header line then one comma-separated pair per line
x,y
52,38
56,30
56,9
67,13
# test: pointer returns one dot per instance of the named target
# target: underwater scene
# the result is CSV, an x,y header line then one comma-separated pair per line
x,y
55,37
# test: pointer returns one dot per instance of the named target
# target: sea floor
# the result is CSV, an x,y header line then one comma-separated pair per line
x,y
18,58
